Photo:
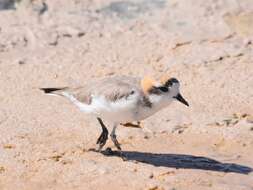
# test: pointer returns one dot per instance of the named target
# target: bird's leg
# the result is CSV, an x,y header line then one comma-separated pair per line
x,y
104,135
116,143
114,138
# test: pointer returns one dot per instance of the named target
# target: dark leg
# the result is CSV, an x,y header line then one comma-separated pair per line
x,y
104,135
114,138
116,143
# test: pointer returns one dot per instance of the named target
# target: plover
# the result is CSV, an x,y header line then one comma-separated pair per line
x,y
121,99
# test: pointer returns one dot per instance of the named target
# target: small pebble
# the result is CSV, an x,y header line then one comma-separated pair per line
x,y
146,137
8,146
2,169
153,188
151,176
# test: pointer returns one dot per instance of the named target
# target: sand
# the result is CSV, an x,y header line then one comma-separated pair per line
x,y
207,45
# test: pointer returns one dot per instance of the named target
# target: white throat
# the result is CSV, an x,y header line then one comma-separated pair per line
x,y
159,101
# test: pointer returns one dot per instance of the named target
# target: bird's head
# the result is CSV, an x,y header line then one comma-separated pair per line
x,y
168,88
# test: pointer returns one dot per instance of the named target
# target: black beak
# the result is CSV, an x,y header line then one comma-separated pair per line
x,y
180,98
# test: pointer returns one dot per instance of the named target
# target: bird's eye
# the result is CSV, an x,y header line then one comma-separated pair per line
x,y
163,89
132,92
169,83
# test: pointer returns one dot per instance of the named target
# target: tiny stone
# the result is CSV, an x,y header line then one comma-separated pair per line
x,y
8,146
180,131
153,188
64,162
67,35
146,137
21,62
2,169
80,34
244,115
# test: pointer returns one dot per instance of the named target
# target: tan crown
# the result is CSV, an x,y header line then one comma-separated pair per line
x,y
147,83
164,79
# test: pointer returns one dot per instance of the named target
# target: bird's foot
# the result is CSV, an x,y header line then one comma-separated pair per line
x,y
109,152
138,125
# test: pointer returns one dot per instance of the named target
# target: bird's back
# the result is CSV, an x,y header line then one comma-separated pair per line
x,y
112,88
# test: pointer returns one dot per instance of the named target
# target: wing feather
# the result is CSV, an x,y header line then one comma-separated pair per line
x,y
113,89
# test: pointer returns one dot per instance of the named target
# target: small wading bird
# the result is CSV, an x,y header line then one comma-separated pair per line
x,y
121,99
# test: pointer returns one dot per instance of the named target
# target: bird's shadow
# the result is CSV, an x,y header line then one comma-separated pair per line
x,y
181,161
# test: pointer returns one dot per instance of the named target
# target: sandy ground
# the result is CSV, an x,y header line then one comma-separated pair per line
x,y
207,45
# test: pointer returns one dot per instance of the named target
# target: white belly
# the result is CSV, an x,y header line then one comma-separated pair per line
x,y
118,112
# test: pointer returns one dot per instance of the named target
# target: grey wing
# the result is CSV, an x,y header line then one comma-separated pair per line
x,y
112,88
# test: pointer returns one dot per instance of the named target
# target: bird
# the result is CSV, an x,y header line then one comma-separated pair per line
x,y
121,99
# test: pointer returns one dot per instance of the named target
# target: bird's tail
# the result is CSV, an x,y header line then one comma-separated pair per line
x,y
64,92
53,91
